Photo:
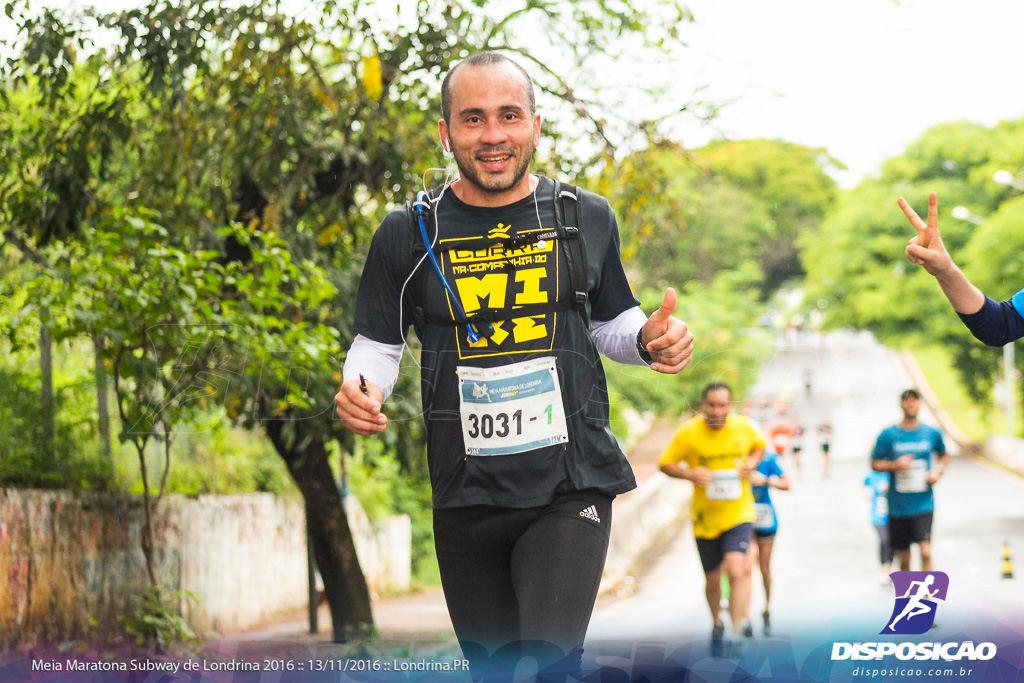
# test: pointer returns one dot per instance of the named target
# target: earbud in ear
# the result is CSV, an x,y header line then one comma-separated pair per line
x,y
444,144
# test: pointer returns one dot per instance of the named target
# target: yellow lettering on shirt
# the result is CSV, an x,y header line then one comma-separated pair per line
x,y
527,329
473,290
531,293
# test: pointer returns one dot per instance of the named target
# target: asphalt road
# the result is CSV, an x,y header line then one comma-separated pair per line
x,y
827,582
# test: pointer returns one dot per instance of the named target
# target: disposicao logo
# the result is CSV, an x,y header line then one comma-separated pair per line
x,y
913,613
916,596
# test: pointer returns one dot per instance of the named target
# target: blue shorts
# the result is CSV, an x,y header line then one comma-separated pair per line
x,y
712,550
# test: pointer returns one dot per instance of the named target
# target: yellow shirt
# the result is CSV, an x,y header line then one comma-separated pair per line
x,y
727,500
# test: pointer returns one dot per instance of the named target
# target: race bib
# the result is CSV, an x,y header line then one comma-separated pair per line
x,y
725,485
881,506
914,480
764,516
511,409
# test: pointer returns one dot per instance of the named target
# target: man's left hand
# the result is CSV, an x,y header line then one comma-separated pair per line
x,y
666,338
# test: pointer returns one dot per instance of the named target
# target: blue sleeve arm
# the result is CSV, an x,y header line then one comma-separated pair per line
x,y
997,323
883,448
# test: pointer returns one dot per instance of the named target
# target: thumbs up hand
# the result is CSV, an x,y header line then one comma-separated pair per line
x,y
667,338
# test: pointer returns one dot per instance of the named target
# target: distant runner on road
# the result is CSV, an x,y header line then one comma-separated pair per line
x,y
769,474
877,486
718,452
905,451
825,437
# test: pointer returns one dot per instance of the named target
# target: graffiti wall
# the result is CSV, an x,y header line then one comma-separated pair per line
x,y
71,563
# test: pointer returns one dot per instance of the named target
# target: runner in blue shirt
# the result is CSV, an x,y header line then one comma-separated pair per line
x,y
769,474
905,452
877,484
994,323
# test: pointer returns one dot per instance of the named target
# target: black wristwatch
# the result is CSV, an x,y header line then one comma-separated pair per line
x,y
644,355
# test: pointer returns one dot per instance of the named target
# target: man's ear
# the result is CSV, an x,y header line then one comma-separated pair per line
x,y
442,134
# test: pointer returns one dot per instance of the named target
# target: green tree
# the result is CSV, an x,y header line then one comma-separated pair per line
x,y
56,138
180,326
790,182
730,346
686,226
675,218
689,214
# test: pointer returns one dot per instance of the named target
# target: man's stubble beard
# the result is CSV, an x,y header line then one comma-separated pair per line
x,y
469,174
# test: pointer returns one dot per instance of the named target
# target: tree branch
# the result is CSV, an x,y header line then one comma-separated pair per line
x,y
25,248
567,94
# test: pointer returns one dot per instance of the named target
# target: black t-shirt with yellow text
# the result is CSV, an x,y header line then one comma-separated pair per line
x,y
527,417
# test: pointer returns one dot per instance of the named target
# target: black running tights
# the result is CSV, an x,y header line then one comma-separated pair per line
x,y
523,582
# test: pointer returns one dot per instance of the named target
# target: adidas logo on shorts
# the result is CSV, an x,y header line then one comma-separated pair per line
x,y
591,513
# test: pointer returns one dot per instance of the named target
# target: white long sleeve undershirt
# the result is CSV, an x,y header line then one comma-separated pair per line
x,y
378,363
616,338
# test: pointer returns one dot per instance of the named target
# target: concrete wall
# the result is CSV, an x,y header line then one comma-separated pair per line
x,y
384,549
658,503
243,556
1006,450
68,557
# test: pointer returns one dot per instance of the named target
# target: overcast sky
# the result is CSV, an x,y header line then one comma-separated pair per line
x,y
863,78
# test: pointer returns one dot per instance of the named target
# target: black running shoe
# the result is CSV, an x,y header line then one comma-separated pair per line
x,y
748,630
767,623
718,641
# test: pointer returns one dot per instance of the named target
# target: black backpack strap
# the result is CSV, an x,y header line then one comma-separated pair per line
x,y
569,213
509,243
483,317
416,287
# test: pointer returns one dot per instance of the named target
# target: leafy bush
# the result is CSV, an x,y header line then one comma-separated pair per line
x,y
157,624
220,459
69,458
214,458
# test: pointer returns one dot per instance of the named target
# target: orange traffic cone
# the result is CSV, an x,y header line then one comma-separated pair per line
x,y
1007,562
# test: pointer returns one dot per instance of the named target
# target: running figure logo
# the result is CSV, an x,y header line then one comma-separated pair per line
x,y
480,391
916,593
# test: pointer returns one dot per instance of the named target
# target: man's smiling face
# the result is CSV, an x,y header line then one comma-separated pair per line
x,y
492,133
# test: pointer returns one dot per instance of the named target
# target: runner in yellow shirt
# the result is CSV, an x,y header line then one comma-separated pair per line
x,y
718,452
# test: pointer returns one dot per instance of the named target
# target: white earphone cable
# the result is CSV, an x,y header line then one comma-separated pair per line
x,y
401,294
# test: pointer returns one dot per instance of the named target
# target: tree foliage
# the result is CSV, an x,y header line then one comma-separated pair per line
x,y
791,185
688,215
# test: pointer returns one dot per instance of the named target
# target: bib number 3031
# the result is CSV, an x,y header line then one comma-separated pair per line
x,y
511,409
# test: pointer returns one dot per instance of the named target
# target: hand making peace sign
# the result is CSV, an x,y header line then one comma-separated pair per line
x,y
926,249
